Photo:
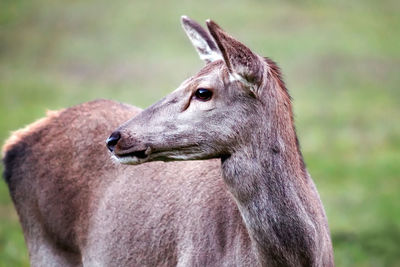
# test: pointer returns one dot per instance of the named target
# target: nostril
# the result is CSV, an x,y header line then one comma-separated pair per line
x,y
113,140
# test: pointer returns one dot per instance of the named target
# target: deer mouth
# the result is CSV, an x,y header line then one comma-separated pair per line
x,y
134,156
141,154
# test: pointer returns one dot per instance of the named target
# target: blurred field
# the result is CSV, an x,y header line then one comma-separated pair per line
x,y
341,60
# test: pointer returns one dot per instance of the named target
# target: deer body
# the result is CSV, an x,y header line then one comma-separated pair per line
x,y
250,202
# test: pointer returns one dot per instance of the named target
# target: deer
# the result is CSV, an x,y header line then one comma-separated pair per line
x,y
210,175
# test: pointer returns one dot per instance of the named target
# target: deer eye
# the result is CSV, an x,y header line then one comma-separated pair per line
x,y
203,94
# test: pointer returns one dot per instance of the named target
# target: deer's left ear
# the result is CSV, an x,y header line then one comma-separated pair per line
x,y
242,63
201,40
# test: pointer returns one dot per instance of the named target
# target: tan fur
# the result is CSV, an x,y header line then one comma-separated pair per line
x,y
19,135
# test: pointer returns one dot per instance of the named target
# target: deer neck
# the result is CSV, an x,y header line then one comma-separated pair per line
x,y
268,181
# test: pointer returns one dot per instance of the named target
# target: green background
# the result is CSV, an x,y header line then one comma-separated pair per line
x,y
340,59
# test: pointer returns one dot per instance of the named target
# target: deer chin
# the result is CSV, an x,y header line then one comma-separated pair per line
x,y
129,160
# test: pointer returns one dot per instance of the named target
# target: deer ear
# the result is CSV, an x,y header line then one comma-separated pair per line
x,y
201,40
242,63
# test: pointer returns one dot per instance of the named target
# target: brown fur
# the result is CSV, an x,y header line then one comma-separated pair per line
x,y
68,196
255,205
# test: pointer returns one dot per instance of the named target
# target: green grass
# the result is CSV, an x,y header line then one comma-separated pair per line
x,y
341,61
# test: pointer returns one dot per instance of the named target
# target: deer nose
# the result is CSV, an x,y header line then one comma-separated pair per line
x,y
113,140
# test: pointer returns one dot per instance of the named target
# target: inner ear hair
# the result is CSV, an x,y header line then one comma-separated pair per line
x,y
201,40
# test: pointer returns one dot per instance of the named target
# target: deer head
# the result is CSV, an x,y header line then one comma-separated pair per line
x,y
210,115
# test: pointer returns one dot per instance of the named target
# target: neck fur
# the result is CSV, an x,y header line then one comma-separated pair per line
x,y
275,195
